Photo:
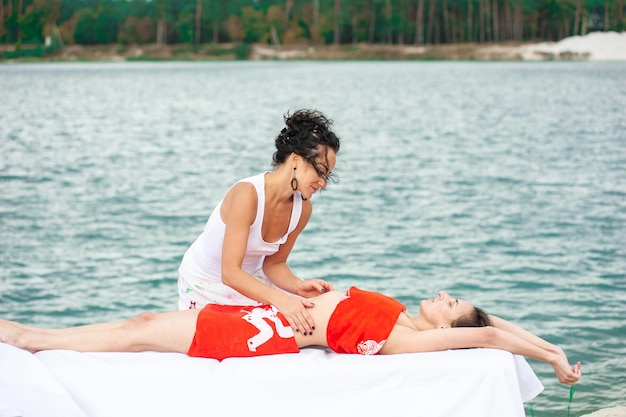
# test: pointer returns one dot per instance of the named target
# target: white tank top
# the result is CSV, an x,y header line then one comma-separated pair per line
x,y
200,272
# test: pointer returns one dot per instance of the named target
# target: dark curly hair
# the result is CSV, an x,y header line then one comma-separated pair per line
x,y
476,318
307,133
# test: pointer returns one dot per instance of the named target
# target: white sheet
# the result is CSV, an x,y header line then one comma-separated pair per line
x,y
471,382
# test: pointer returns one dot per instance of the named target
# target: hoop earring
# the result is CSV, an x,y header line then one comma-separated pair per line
x,y
294,180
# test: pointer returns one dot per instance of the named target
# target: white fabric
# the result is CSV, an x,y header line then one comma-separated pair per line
x,y
464,383
200,272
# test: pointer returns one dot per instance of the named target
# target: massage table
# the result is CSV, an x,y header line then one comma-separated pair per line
x,y
315,382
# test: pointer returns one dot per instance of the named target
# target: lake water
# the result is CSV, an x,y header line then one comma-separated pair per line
x,y
502,183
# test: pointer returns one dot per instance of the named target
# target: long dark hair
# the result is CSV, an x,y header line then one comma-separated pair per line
x,y
477,318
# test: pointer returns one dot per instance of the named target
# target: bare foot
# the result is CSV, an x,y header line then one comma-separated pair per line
x,y
11,333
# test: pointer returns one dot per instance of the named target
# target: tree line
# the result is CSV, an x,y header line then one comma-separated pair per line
x,y
316,22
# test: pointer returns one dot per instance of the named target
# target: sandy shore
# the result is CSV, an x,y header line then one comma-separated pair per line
x,y
608,412
595,46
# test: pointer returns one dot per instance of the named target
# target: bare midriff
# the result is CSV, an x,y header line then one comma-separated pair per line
x,y
325,304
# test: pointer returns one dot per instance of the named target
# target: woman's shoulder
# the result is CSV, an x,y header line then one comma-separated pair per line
x,y
405,319
245,187
241,196
241,190
254,179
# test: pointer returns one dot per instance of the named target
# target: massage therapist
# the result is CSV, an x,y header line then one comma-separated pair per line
x,y
241,256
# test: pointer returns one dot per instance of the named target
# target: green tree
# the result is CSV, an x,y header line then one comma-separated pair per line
x,y
2,32
70,7
161,17
137,30
336,22
106,26
419,22
234,29
317,21
98,27
276,22
39,16
253,23
85,21
184,27
197,31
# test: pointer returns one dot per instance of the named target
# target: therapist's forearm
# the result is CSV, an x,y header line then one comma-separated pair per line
x,y
280,275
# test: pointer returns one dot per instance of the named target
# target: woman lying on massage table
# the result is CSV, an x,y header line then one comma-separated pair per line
x,y
354,321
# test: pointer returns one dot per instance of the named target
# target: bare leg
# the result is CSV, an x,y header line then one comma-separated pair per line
x,y
162,332
76,329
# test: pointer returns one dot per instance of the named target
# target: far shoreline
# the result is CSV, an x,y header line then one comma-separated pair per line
x,y
593,46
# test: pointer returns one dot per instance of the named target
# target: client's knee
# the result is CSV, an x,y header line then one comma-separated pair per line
x,y
139,320
136,330
144,317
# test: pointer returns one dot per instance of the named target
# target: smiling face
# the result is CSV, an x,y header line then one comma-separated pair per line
x,y
315,173
442,310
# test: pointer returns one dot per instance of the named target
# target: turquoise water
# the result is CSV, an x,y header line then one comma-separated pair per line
x,y
502,183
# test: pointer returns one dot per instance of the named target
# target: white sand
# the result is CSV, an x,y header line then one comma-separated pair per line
x,y
600,46
608,412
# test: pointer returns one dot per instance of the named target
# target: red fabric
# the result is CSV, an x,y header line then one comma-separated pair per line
x,y
241,331
362,322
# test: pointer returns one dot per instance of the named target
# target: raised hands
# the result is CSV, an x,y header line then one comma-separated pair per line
x,y
566,373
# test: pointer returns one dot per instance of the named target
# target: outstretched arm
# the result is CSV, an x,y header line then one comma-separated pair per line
x,y
406,340
517,340
507,326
